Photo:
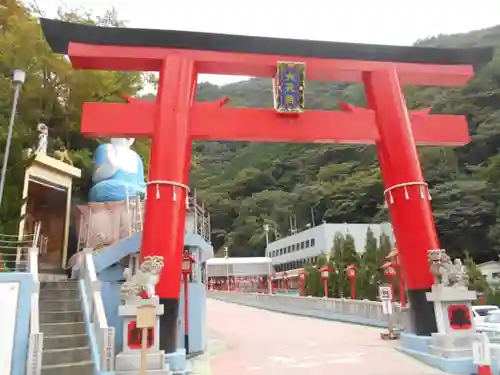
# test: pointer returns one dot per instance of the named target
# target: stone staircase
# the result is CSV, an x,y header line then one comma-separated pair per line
x,y
66,349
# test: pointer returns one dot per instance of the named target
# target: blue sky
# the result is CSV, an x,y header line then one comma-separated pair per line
x,y
395,22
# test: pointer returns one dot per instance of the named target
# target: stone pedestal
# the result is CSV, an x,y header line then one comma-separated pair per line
x,y
455,323
128,362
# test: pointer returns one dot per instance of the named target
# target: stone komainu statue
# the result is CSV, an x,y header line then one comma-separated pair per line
x,y
143,283
63,155
445,271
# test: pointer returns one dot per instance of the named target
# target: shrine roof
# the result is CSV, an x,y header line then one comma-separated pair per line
x,y
59,34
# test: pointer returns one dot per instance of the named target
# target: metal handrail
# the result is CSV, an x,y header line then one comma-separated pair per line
x,y
34,362
104,334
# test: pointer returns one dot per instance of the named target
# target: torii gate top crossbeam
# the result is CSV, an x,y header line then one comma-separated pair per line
x,y
92,47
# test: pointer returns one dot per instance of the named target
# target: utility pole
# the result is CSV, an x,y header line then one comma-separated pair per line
x,y
18,78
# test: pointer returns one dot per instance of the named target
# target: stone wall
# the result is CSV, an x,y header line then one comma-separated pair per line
x,y
345,310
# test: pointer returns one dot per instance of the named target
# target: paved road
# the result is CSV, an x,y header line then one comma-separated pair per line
x,y
245,340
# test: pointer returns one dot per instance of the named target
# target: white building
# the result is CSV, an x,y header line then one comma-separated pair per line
x,y
490,270
239,267
294,251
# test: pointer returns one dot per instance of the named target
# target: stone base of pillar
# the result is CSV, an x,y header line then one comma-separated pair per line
x,y
128,362
455,323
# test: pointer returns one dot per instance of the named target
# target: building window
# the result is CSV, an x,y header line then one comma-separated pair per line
x,y
288,249
313,241
293,247
495,275
307,243
302,245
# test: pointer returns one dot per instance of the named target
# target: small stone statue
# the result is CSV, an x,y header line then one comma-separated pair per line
x,y
62,155
446,272
142,284
43,136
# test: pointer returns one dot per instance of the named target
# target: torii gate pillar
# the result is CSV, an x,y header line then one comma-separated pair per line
x,y
406,193
174,120
168,185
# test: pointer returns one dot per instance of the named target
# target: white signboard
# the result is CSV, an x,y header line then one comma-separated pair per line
x,y
385,292
9,293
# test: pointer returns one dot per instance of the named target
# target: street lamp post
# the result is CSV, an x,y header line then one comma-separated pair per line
x,y
18,78
266,231
187,269
226,256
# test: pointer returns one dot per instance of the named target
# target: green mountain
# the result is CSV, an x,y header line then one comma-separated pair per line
x,y
248,184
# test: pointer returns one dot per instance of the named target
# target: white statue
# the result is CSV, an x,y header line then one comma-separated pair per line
x,y
142,284
118,172
43,136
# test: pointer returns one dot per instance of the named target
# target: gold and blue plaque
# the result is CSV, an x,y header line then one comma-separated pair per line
x,y
289,85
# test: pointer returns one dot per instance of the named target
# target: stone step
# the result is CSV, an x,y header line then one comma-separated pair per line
x,y
60,305
57,294
65,341
52,277
51,285
56,329
61,317
80,368
65,356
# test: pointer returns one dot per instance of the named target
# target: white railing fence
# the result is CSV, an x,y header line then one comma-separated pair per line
x,y
35,346
357,311
14,251
487,347
201,224
105,335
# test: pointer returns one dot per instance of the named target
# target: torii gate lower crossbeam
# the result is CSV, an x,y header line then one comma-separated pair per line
x,y
174,121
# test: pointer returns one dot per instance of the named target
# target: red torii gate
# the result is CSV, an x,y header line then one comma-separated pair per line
x,y
174,120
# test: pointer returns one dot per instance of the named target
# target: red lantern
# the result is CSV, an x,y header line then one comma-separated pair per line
x,y
325,274
351,271
302,281
187,263
389,270
351,275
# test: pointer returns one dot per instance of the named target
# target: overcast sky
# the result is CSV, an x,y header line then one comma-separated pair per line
x,y
396,22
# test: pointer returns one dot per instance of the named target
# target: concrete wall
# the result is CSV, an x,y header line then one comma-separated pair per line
x,y
197,314
15,299
345,310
